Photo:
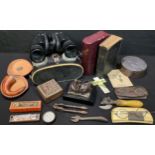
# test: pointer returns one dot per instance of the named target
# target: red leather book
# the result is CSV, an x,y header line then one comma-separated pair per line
x,y
89,51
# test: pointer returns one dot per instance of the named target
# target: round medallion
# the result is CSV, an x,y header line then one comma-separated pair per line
x,y
48,117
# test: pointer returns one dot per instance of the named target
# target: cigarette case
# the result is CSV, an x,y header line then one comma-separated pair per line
x,y
25,118
25,106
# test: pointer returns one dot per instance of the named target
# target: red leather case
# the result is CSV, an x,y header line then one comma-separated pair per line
x,y
89,50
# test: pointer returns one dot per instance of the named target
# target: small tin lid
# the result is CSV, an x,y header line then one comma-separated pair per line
x,y
48,117
133,66
20,67
134,63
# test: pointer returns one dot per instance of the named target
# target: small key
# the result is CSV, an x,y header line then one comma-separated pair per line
x,y
78,118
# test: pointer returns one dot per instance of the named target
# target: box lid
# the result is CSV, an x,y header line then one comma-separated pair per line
x,y
21,67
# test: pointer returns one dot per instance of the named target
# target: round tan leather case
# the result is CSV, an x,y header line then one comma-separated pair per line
x,y
15,84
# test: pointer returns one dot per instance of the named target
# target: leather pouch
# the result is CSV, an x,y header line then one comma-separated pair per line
x,y
134,92
14,84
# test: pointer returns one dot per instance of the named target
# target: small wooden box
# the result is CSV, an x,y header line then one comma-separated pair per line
x,y
25,106
50,90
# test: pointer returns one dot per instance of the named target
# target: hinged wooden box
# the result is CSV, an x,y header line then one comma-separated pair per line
x,y
50,90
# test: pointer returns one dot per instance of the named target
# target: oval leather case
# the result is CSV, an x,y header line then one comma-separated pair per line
x,y
13,86
20,67
60,72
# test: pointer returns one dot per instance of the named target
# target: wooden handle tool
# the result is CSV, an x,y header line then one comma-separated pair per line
x,y
122,103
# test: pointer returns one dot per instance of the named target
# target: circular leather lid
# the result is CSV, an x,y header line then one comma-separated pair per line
x,y
20,67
